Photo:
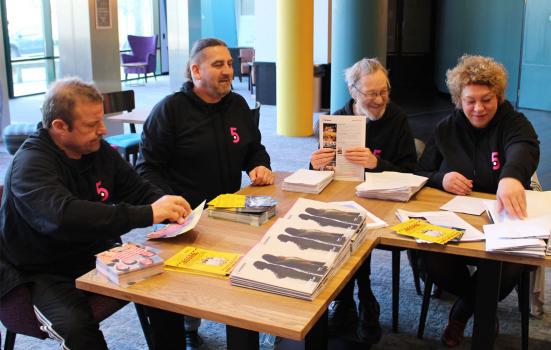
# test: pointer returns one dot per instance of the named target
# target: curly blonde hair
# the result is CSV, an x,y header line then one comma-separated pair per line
x,y
477,70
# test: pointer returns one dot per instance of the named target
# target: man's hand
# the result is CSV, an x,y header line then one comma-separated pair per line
x,y
261,176
361,156
456,183
172,208
510,196
320,158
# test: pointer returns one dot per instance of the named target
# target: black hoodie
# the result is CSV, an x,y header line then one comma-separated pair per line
x,y
197,149
389,138
507,147
57,213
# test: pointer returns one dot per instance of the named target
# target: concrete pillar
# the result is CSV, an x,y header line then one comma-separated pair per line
x,y
183,22
87,51
295,72
359,29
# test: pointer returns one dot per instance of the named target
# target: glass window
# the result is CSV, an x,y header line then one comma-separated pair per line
x,y
135,18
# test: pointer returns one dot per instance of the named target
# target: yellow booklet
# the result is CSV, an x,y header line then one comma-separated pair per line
x,y
228,200
203,262
425,231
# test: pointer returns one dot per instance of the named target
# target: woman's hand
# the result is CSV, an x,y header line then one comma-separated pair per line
x,y
510,196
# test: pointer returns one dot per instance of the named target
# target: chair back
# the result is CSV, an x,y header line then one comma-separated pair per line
x,y
144,49
118,101
256,113
419,147
246,56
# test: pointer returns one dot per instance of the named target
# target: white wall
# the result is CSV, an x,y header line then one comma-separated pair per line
x,y
322,32
178,41
266,30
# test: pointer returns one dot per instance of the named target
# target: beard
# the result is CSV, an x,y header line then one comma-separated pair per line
x,y
370,116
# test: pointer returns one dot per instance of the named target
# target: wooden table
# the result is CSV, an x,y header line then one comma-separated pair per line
x,y
137,116
247,312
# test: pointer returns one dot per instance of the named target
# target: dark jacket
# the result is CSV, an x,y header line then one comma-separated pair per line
x,y
389,138
57,213
198,150
507,147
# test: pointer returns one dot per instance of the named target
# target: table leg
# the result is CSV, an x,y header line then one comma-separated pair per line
x,y
487,294
317,337
239,338
395,288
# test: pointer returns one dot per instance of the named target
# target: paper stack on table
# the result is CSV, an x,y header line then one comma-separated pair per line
x,y
308,181
301,251
252,210
520,237
390,185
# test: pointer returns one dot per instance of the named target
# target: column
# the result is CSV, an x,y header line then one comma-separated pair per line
x,y
295,72
359,29
183,22
88,50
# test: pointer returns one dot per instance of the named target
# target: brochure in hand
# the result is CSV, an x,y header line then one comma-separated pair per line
x,y
129,263
203,262
173,230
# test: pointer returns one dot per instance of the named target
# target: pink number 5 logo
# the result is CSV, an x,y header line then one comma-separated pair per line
x,y
234,134
102,192
495,161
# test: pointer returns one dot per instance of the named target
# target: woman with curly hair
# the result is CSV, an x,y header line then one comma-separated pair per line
x,y
485,146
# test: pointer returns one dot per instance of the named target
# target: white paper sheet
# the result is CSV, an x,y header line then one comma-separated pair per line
x,y
465,204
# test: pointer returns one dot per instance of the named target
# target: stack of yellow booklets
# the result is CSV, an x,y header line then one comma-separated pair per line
x,y
425,231
203,262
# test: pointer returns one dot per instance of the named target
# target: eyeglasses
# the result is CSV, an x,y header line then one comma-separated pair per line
x,y
373,94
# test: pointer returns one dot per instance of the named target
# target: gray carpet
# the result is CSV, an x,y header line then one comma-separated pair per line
x,y
123,331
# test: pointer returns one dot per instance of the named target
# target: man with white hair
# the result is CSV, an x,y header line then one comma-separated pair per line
x,y
389,146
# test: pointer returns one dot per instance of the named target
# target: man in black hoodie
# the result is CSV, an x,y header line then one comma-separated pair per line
x,y
197,141
389,146
68,195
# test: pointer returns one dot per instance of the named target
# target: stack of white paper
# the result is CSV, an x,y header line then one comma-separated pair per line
x,y
300,252
309,181
521,237
390,185
445,219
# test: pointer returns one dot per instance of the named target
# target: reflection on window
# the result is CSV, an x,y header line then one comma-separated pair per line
x,y
26,32
135,18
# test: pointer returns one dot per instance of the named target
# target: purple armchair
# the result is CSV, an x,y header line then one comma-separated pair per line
x,y
143,59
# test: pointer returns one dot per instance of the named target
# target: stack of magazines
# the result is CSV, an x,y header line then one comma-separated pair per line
x,y
252,210
300,252
308,181
129,263
390,185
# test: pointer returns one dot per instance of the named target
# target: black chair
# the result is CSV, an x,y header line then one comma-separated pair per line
x,y
126,144
256,113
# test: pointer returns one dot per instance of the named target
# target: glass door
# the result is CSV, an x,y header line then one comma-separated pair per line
x,y
32,42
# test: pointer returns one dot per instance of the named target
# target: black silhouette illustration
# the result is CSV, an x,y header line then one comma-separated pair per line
x,y
315,267
327,237
305,243
340,215
282,272
328,222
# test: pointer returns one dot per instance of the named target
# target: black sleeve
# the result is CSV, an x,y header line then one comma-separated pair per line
x,y
429,164
522,149
43,199
156,146
405,159
256,153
